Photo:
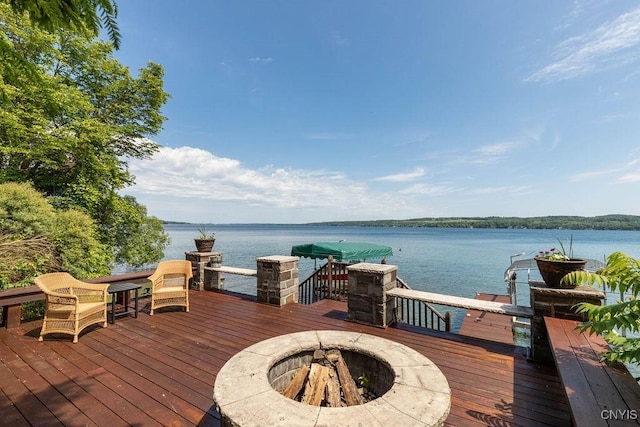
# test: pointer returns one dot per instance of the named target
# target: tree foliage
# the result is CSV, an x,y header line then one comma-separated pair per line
x,y
69,128
80,16
36,238
603,222
621,274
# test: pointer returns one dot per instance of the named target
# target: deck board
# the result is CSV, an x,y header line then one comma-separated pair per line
x,y
160,369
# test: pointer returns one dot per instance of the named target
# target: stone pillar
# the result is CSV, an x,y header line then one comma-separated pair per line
x,y
277,279
199,261
367,294
560,303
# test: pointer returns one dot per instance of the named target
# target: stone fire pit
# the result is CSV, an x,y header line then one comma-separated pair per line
x,y
412,390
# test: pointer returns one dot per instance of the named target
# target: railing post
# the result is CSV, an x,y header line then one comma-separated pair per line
x,y
367,300
214,280
11,316
277,281
199,261
560,303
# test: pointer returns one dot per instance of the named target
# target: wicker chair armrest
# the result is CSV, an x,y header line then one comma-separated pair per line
x,y
91,292
62,297
157,280
99,287
155,276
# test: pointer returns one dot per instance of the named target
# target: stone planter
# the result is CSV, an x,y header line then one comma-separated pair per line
x,y
204,245
552,271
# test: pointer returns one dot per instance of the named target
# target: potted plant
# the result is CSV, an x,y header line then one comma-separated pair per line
x,y
555,264
206,239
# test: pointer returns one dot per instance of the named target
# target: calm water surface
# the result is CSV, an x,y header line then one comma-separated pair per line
x,y
452,261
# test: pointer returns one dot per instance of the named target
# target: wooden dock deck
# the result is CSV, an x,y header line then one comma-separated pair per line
x,y
489,326
160,370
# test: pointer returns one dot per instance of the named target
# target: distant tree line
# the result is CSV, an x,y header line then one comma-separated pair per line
x,y
604,222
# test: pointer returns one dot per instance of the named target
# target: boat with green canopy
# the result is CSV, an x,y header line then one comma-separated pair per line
x,y
342,251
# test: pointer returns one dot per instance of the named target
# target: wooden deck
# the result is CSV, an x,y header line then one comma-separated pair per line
x,y
160,370
490,326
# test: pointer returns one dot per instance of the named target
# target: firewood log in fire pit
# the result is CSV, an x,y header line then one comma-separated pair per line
x,y
325,382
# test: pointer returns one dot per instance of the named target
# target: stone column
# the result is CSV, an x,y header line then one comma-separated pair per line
x,y
277,279
199,261
367,294
560,303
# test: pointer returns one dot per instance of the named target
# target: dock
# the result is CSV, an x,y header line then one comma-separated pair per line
x,y
488,326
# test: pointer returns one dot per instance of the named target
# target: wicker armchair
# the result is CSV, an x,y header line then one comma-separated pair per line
x,y
170,284
71,305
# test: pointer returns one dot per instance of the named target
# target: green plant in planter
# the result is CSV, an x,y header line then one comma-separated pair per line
x,y
621,274
554,254
205,234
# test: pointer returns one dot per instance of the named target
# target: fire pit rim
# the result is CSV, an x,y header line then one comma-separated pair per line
x,y
420,393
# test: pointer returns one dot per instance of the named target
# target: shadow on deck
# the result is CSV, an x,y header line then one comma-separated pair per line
x,y
160,370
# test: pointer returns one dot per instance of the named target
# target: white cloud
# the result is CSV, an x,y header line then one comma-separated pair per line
x,y
630,177
613,44
402,177
428,190
592,174
506,190
339,39
188,172
261,60
494,152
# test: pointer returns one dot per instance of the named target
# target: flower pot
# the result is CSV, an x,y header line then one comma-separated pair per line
x,y
204,245
553,271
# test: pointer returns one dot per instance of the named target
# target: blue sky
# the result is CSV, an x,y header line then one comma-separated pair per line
x,y
298,111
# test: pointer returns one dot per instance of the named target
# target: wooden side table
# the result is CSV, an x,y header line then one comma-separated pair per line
x,y
121,291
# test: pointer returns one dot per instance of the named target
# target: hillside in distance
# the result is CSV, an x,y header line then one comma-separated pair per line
x,y
603,222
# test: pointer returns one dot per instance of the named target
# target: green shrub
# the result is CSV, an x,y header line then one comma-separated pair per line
x,y
621,274
35,238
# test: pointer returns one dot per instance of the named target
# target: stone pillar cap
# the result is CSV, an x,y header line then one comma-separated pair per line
x,y
369,267
278,258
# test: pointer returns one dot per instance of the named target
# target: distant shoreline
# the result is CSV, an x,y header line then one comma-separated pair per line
x,y
603,222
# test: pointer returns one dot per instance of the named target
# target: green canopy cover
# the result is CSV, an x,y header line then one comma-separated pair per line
x,y
341,251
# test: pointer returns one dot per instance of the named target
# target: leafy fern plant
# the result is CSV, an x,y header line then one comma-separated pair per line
x,y
205,234
621,274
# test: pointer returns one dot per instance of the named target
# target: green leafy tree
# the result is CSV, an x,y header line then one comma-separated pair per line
x,y
36,238
70,130
81,16
621,274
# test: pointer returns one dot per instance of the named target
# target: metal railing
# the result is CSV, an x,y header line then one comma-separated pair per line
x,y
325,283
419,313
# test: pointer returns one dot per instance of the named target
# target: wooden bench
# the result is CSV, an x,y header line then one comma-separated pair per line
x,y
598,394
11,302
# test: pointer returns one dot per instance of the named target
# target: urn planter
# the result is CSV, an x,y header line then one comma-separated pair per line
x,y
204,245
552,271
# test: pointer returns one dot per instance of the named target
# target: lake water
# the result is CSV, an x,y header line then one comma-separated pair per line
x,y
451,261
